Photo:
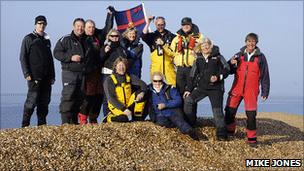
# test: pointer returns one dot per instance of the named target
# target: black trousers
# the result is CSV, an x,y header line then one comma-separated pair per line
x,y
105,108
216,99
38,95
71,96
91,106
182,74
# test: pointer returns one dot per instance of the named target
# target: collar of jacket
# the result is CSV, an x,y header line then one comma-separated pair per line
x,y
215,52
163,89
73,35
257,51
126,43
120,78
194,31
165,32
46,36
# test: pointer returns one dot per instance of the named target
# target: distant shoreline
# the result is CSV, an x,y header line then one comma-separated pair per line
x,y
291,119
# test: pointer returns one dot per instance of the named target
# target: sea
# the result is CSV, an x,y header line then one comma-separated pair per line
x,y
12,106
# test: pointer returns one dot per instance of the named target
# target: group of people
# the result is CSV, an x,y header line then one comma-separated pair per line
x,y
101,67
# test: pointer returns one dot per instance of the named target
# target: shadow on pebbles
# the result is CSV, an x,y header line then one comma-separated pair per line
x,y
143,146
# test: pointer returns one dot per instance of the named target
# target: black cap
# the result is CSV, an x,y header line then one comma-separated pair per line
x,y
40,18
186,20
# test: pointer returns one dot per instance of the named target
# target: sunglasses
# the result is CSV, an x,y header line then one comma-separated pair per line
x,y
160,25
157,81
41,23
114,35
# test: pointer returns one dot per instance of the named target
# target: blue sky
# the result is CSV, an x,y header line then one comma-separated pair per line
x,y
279,25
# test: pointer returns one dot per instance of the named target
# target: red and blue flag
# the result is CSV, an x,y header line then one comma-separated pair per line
x,y
134,17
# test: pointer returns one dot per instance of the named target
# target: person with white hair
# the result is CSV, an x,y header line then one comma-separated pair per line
x,y
207,79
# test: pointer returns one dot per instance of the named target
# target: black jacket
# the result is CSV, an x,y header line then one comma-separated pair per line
x,y
150,38
115,52
101,34
203,69
36,57
68,46
92,50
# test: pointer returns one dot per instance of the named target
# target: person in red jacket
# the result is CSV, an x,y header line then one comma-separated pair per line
x,y
250,70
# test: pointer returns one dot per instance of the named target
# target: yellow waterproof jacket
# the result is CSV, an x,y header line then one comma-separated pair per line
x,y
181,47
164,64
125,96
123,93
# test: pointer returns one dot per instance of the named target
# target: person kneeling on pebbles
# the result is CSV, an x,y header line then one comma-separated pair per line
x,y
125,94
165,105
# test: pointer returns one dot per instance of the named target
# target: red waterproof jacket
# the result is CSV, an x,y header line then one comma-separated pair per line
x,y
249,74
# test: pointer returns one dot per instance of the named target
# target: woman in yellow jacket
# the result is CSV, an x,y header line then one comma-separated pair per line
x,y
125,94
183,48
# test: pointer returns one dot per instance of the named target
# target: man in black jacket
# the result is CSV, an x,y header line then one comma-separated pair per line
x,y
38,69
70,50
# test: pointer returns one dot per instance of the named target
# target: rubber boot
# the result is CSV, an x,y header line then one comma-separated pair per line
x,y
26,120
251,137
82,119
221,132
251,128
230,120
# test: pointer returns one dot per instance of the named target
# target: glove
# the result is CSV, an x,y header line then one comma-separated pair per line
x,y
111,8
138,49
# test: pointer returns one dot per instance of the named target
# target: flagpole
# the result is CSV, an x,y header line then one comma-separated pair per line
x,y
149,30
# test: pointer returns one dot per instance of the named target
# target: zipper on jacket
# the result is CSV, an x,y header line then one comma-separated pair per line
x,y
123,90
164,66
187,54
245,79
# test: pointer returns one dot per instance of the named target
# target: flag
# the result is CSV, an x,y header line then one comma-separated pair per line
x,y
134,17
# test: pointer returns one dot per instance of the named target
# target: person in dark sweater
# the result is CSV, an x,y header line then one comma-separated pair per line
x,y
207,79
38,69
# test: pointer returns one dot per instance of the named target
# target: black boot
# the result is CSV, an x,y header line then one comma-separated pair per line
x,y
193,134
41,119
221,132
26,120
27,114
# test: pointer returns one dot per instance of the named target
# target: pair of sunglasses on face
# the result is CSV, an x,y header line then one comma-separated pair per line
x,y
157,81
114,35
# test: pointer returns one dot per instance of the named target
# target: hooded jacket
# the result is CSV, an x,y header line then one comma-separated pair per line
x,y
249,74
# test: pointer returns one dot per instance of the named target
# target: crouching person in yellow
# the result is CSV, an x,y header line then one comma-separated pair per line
x,y
125,94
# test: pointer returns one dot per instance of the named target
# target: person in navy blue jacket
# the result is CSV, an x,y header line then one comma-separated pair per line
x,y
165,106
130,42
